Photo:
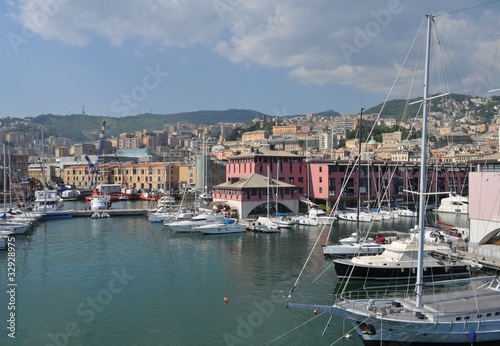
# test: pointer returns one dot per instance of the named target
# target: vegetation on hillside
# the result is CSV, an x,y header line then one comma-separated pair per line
x,y
84,128
81,128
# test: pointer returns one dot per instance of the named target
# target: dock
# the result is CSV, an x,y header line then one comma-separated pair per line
x,y
88,213
487,262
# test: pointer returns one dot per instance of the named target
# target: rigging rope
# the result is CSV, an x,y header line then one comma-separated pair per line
x,y
295,328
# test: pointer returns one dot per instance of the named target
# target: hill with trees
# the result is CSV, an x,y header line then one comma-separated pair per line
x,y
81,127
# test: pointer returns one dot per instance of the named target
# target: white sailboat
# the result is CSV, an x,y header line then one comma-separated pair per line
x,y
469,315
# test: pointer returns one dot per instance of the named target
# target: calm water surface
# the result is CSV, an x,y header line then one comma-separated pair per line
x,y
125,281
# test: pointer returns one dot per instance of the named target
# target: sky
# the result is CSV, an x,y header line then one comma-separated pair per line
x,y
282,57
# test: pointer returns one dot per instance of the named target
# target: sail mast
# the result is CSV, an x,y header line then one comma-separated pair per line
x,y
423,170
359,171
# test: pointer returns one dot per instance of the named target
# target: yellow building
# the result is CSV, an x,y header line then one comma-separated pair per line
x,y
151,175
254,136
281,131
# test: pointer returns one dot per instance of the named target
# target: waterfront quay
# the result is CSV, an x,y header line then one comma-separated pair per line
x,y
110,212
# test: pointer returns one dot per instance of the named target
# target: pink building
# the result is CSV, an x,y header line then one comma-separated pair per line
x,y
281,165
250,174
253,194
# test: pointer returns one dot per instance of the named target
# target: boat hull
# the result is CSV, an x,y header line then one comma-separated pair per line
x,y
345,270
406,333
221,230
351,250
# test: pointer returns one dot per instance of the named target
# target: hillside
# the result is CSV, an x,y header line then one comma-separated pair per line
x,y
396,108
81,128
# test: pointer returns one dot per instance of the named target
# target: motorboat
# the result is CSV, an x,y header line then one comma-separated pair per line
x,y
189,226
353,249
13,228
100,202
265,225
225,226
322,216
305,220
455,204
399,261
354,216
47,201
371,244
165,201
167,215
404,211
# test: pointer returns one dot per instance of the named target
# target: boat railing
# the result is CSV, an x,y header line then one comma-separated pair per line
x,y
374,294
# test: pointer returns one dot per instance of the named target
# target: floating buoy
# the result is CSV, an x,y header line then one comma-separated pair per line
x,y
226,299
315,312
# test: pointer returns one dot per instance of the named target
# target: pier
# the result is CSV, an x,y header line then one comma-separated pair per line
x,y
88,213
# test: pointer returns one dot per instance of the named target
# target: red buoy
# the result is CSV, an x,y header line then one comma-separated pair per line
x,y
226,299
315,312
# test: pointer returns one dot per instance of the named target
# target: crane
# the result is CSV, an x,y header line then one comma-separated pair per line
x,y
94,166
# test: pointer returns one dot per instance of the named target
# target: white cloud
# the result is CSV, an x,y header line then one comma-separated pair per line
x,y
320,43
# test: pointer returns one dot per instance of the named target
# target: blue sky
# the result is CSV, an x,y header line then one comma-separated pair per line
x,y
282,57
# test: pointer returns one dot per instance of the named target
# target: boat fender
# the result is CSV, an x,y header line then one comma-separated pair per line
x,y
472,337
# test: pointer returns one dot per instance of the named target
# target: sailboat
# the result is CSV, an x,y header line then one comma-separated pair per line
x,y
468,315
267,224
357,215
47,201
360,246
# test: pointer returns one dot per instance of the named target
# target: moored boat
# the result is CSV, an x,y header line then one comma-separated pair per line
x,y
225,226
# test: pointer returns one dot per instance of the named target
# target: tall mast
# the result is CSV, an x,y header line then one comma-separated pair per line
x,y
359,171
44,177
423,170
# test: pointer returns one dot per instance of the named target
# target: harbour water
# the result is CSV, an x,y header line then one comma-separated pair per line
x,y
125,281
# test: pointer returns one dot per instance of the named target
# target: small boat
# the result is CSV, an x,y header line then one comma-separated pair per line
x,y
404,211
304,220
225,226
149,196
354,216
322,216
13,228
98,215
265,225
165,201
